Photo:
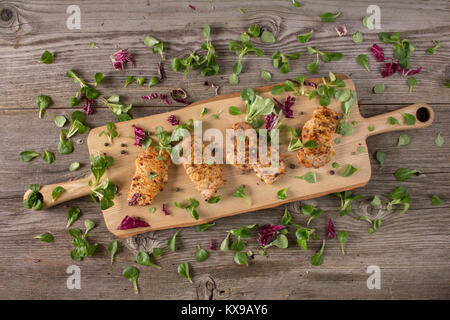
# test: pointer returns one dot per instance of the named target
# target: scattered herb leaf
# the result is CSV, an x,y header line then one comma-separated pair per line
x,y
357,37
183,270
112,248
200,254
74,166
379,88
393,121
342,237
143,258
349,170
282,194
329,16
304,37
26,156
46,58
435,200
132,274
317,258
439,141
240,193
45,237
265,75
363,61
403,140
381,157
412,82
72,215
57,192
309,177
403,174
172,241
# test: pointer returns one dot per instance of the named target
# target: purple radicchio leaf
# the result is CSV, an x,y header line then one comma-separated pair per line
x,y
163,97
212,246
133,199
161,72
120,58
216,88
286,107
268,232
377,52
139,135
341,31
164,209
151,96
88,106
389,69
271,121
409,72
131,223
179,95
331,231
310,84
173,120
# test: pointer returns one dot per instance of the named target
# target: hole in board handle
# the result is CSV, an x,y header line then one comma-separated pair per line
x,y
423,114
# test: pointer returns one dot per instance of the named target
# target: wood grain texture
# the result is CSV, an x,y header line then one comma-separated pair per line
x,y
412,250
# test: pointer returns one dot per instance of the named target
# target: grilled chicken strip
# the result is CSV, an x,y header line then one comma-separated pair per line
x,y
269,172
150,178
320,128
246,166
207,178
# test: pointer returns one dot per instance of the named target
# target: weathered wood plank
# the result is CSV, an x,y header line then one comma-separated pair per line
x,y
22,78
410,250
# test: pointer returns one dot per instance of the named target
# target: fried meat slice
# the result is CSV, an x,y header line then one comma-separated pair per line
x,y
206,176
267,172
321,128
246,166
150,178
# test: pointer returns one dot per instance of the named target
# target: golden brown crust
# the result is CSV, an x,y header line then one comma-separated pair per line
x,y
246,166
268,172
321,128
316,157
207,178
142,185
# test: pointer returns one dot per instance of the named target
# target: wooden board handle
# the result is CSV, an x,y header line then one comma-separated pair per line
x,y
73,190
423,112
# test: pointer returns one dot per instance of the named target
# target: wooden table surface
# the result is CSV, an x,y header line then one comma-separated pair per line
x,y
411,250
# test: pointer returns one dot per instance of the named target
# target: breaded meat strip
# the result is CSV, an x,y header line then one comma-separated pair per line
x,y
321,128
207,176
268,172
246,166
150,178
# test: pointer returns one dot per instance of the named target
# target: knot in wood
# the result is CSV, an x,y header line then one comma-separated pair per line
x,y
6,14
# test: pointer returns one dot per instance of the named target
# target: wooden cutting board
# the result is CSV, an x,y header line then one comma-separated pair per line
x,y
263,196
